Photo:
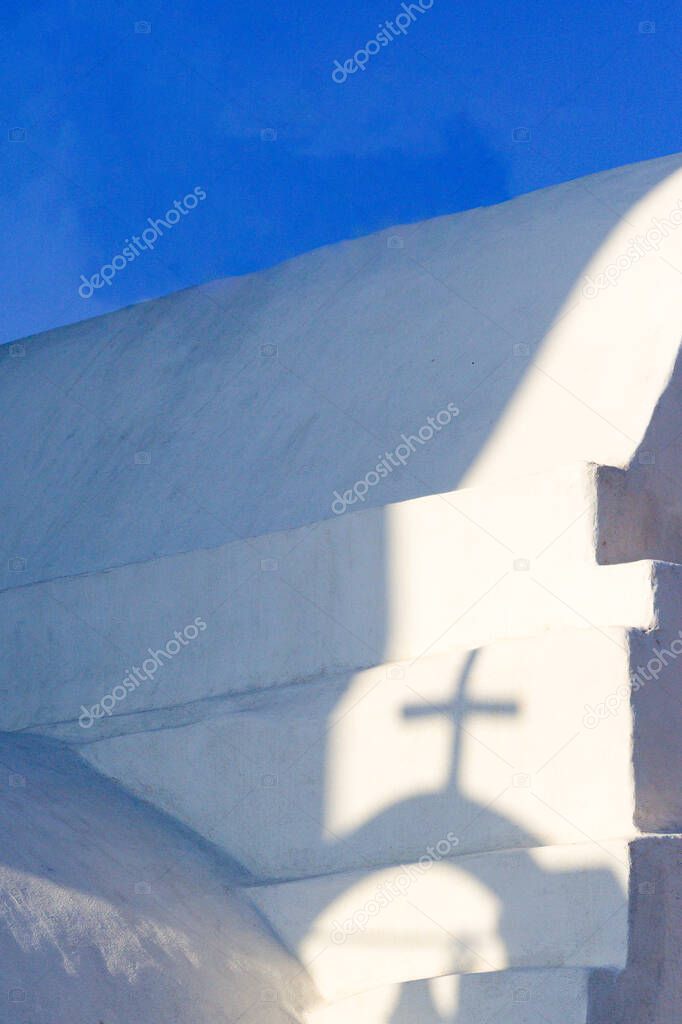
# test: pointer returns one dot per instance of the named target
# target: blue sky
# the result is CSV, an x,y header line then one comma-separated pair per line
x,y
105,125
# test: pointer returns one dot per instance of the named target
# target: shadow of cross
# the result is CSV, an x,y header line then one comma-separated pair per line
x,y
458,708
560,889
